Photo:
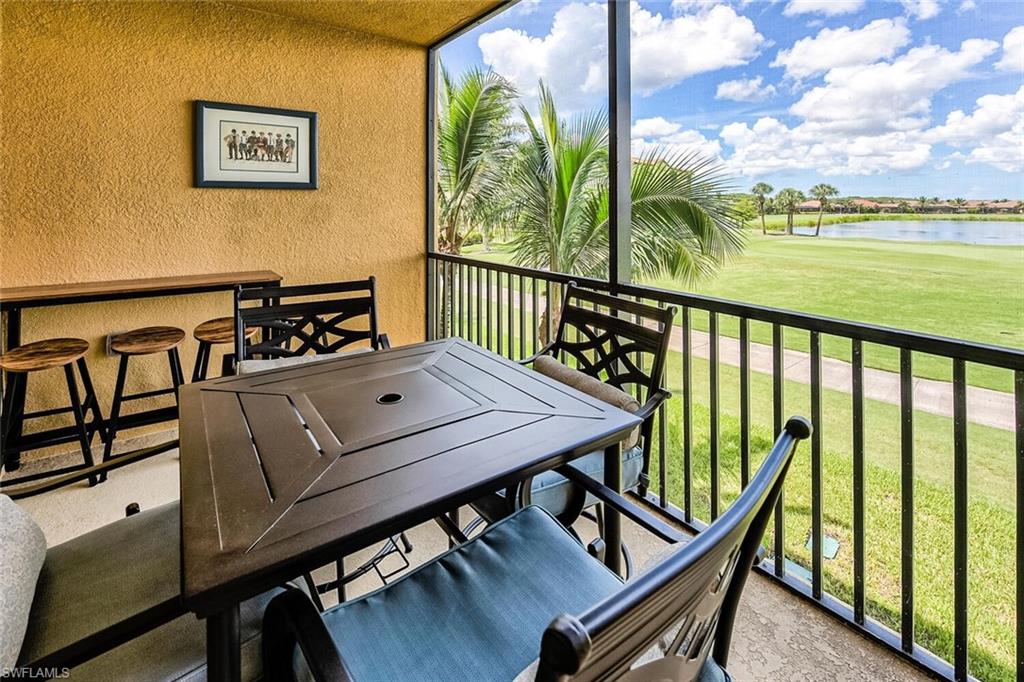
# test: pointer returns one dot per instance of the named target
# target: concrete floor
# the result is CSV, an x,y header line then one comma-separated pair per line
x,y
777,637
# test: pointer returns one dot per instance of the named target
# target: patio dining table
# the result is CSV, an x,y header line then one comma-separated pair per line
x,y
287,470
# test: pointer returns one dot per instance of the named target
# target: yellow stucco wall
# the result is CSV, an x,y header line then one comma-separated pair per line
x,y
97,164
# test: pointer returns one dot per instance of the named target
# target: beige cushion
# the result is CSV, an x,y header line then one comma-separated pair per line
x,y
22,552
253,366
595,388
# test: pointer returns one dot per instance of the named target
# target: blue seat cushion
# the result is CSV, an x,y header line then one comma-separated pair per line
x,y
552,491
476,612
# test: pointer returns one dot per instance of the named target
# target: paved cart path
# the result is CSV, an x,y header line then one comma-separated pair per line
x,y
984,406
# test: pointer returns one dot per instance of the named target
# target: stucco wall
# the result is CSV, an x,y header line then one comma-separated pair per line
x,y
97,164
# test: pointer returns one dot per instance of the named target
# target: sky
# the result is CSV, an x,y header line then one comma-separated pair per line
x,y
876,97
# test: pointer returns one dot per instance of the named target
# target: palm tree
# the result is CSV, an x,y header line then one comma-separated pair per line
x,y
788,199
922,202
822,192
904,206
683,222
761,191
960,203
474,141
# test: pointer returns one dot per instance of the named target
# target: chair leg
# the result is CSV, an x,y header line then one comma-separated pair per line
x,y
91,405
115,411
14,408
227,365
76,410
406,542
202,362
340,566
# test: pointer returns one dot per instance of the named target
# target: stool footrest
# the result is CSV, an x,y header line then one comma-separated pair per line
x,y
148,394
163,414
43,439
48,413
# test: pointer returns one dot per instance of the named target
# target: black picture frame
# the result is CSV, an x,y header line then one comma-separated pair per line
x,y
201,177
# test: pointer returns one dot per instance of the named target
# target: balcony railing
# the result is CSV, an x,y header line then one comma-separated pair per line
x,y
910,534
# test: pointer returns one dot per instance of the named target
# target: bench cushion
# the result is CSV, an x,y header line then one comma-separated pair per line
x,y
22,552
103,578
177,650
552,491
476,612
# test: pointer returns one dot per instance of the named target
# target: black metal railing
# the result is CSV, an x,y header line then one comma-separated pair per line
x,y
706,453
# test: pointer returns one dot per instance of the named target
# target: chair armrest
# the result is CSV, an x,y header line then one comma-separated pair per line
x,y
542,351
383,342
653,403
291,618
620,504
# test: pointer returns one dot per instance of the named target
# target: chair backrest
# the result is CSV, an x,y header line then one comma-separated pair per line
x,y
620,342
697,589
319,326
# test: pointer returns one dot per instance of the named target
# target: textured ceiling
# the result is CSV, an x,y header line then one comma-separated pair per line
x,y
416,21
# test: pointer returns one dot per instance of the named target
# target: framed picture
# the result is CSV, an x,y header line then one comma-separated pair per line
x,y
237,145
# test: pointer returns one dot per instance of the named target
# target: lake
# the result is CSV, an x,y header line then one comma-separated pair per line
x,y
989,233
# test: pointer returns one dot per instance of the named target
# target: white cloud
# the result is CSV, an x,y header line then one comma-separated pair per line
x,y
745,90
1013,51
689,6
995,130
525,7
921,9
770,145
572,57
889,96
967,6
667,50
676,144
654,127
843,46
826,7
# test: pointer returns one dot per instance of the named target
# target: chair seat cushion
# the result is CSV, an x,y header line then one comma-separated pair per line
x,y
252,366
22,552
476,612
552,491
177,650
104,578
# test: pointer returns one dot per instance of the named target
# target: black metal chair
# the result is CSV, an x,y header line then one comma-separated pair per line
x,y
485,609
315,328
623,344
308,330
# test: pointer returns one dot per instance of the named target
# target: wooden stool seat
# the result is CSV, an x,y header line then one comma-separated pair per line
x,y
46,354
146,340
219,330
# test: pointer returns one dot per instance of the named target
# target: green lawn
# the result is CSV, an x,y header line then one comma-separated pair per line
x,y
958,290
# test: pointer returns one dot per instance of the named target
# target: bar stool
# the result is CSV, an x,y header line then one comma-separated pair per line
x,y
35,357
219,330
144,341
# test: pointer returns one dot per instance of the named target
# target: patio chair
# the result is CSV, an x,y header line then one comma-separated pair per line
x,y
306,331
105,604
484,610
295,333
620,347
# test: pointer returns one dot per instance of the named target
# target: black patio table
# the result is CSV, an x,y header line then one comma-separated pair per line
x,y
286,470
